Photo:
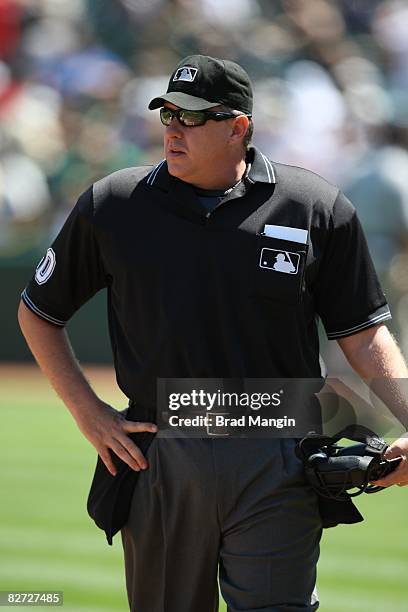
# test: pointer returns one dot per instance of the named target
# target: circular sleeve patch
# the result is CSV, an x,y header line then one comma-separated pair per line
x,y
46,267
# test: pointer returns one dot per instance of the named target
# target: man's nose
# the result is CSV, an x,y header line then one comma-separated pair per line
x,y
174,126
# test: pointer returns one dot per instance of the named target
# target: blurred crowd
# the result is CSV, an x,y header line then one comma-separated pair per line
x,y
331,94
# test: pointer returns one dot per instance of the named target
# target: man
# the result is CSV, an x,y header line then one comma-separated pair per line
x,y
188,251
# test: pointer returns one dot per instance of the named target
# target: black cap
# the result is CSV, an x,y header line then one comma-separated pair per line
x,y
200,82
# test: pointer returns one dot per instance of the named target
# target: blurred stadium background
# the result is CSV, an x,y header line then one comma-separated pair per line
x,y
331,94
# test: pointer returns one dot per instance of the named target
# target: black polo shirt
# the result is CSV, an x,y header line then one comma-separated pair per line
x,y
198,293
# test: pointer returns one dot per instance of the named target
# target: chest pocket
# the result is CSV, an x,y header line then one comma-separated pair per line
x,y
277,269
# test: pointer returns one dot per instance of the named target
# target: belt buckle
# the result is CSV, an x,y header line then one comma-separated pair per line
x,y
210,426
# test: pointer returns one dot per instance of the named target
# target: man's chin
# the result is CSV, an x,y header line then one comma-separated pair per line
x,y
177,169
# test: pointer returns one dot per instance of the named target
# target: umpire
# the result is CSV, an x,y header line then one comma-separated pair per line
x,y
218,263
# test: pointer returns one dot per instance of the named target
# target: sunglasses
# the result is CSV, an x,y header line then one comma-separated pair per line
x,y
191,118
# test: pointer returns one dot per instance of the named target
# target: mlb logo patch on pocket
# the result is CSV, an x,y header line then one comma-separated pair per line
x,y
279,261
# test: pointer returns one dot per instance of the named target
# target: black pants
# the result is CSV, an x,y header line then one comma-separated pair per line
x,y
239,506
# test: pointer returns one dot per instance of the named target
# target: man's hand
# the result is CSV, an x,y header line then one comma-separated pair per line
x,y
399,476
375,356
107,429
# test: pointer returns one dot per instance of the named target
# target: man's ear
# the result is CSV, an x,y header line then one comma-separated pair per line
x,y
239,127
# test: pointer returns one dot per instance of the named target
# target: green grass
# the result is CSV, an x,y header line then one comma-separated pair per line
x,y
48,542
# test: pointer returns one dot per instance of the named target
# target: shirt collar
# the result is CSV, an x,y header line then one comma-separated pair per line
x,y
259,169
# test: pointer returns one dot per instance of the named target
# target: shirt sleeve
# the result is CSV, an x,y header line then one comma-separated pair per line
x,y
348,294
71,271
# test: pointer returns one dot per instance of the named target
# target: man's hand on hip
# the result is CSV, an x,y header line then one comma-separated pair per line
x,y
107,429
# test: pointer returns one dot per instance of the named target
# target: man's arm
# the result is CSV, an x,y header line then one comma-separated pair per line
x,y
104,426
375,356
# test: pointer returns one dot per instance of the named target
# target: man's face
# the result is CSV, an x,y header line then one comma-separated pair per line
x,y
197,155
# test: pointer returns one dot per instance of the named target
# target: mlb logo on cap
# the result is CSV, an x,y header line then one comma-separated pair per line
x,y
199,82
186,73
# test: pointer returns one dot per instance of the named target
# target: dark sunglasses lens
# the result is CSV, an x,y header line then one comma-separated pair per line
x,y
192,118
165,116
186,117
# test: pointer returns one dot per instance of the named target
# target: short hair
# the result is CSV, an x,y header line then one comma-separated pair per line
x,y
250,131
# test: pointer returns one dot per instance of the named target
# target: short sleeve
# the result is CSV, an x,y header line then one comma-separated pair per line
x,y
348,294
71,271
